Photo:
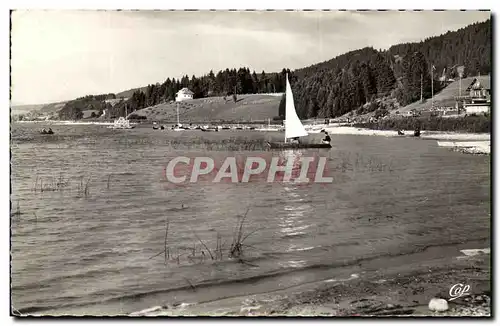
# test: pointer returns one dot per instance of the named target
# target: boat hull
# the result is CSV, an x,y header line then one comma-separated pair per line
x,y
115,127
296,146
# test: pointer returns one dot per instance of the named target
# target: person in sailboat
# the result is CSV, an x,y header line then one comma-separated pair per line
x,y
327,138
295,140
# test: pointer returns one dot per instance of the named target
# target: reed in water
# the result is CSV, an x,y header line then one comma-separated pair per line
x,y
204,251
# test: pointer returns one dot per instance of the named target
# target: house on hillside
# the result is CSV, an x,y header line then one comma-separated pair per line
x,y
480,87
411,113
184,94
479,98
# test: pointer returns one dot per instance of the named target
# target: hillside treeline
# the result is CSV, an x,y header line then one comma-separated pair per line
x,y
346,83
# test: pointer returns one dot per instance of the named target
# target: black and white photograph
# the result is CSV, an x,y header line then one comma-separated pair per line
x,y
250,163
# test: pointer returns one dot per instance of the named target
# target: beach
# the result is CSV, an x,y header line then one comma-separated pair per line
x,y
469,143
404,290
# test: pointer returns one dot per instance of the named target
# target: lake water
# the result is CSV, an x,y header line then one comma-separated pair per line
x,y
91,242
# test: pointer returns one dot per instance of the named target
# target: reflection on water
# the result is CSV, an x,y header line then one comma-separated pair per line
x,y
293,222
299,248
293,263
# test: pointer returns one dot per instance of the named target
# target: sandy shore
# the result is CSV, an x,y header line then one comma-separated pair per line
x,y
464,142
404,289
426,134
469,147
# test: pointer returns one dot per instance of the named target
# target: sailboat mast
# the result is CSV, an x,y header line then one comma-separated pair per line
x,y
432,87
178,114
284,121
421,88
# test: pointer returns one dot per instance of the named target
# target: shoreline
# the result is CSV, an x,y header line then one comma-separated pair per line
x,y
467,143
399,290
334,128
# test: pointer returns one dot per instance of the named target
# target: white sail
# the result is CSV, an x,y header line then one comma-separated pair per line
x,y
293,126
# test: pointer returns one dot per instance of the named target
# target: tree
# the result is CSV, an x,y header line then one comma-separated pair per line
x,y
70,112
330,102
381,112
282,107
384,75
416,73
255,83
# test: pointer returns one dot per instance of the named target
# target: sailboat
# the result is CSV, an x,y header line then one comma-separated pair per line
x,y
293,125
122,122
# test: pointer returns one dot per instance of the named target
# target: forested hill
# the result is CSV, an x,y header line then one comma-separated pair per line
x,y
469,46
352,82
347,82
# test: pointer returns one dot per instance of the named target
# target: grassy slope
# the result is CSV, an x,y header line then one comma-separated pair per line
x,y
18,109
52,107
247,108
128,93
42,108
444,98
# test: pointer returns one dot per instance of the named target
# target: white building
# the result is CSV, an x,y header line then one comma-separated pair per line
x,y
479,99
476,108
184,94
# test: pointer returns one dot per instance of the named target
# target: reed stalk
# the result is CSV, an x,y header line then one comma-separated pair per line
x,y
204,245
165,241
87,188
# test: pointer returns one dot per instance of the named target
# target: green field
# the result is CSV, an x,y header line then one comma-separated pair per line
x,y
255,107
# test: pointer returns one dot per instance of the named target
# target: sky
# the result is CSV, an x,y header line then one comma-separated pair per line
x,y
61,55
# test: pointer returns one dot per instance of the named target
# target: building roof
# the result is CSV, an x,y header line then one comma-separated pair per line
x,y
185,90
480,82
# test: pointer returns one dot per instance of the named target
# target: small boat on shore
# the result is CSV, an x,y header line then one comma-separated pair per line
x,y
416,133
178,128
294,127
157,126
122,122
47,132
